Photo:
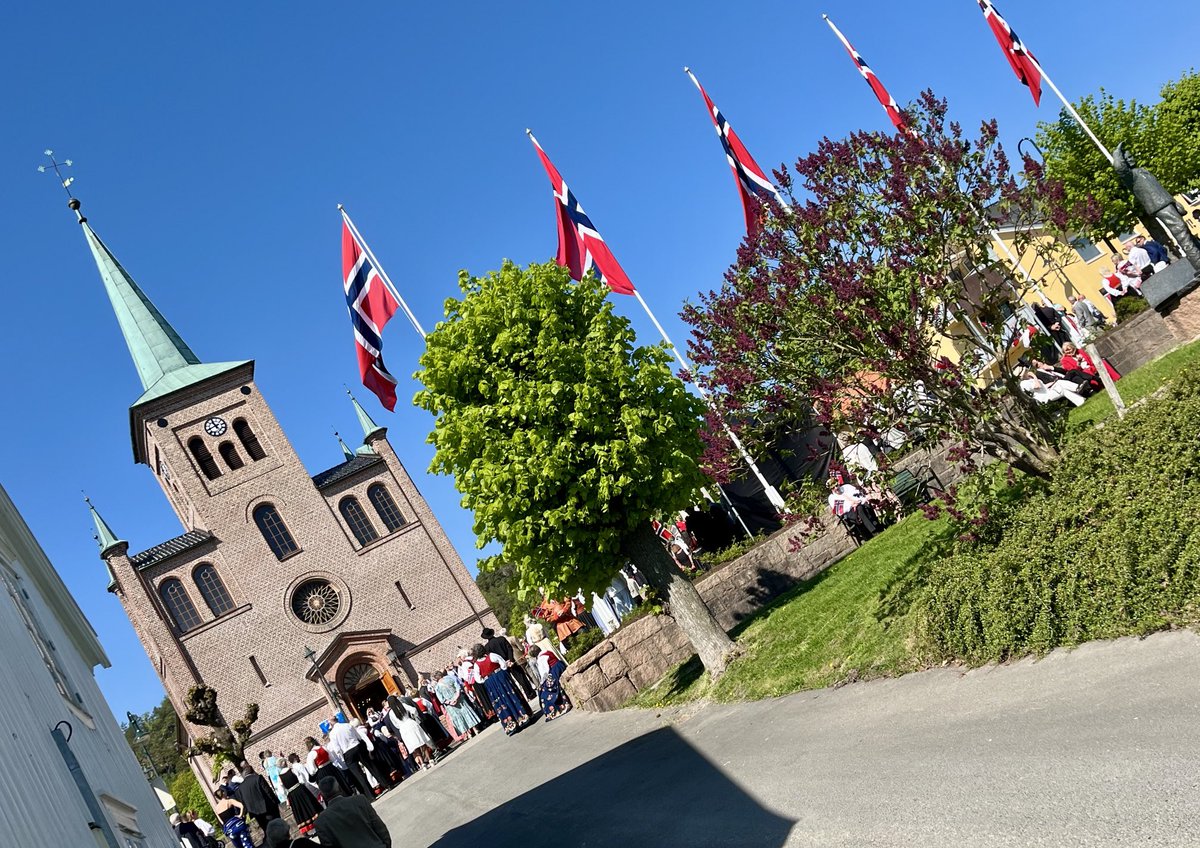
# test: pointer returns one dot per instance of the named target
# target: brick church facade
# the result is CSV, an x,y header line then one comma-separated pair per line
x,y
348,566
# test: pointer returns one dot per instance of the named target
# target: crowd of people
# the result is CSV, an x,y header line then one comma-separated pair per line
x,y
1124,275
329,790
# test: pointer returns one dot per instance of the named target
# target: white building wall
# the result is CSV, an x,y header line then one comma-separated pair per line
x,y
40,802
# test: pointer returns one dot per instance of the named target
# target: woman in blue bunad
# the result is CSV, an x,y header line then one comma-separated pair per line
x,y
229,814
552,696
510,709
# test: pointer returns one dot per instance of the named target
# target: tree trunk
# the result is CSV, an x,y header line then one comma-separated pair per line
x,y
711,642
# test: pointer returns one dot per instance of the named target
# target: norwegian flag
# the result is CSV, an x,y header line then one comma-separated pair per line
x,y
751,181
580,246
1023,63
371,306
885,99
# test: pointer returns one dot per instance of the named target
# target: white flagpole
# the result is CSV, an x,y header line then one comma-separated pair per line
x,y
382,273
772,493
1067,105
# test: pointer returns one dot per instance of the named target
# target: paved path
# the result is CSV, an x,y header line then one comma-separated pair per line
x,y
1094,747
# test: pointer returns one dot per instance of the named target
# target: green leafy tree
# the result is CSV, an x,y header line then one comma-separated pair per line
x,y
499,587
228,740
1161,138
159,741
564,438
189,795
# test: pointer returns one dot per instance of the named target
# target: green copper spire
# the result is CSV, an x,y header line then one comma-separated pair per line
x,y
105,537
163,360
370,428
346,452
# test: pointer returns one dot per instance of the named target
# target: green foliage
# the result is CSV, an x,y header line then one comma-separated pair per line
x,y
1161,138
729,554
562,436
1111,548
226,739
498,584
584,641
188,795
852,621
158,740
1127,307
1136,385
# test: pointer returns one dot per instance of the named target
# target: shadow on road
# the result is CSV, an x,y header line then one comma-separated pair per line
x,y
655,790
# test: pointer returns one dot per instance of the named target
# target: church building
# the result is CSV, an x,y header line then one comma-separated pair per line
x,y
303,593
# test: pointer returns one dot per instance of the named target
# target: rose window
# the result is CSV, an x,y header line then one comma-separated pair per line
x,y
316,602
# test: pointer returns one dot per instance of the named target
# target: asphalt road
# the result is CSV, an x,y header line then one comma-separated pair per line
x,y
1099,746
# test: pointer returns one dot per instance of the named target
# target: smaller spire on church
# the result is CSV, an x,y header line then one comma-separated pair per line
x,y
346,452
370,428
105,537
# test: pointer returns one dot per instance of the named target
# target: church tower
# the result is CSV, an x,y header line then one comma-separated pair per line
x,y
302,593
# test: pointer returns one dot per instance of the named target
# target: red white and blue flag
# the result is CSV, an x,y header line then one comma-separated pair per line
x,y
371,305
580,247
885,99
1023,63
751,181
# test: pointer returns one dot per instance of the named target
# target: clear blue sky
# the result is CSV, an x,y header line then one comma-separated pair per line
x,y
213,141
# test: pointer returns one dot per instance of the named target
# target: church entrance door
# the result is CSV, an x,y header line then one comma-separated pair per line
x,y
364,687
368,696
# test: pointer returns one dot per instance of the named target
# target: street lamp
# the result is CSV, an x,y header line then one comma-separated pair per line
x,y
139,733
311,656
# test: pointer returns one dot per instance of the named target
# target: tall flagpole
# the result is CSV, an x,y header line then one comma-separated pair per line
x,y
379,269
1067,105
772,493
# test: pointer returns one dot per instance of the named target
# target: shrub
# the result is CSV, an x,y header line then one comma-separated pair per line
x,y
188,795
584,641
1109,547
1128,306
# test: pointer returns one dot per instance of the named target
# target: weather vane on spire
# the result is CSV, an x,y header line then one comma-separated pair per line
x,y
57,168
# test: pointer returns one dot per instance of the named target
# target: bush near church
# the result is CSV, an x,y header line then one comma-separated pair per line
x,y
1109,547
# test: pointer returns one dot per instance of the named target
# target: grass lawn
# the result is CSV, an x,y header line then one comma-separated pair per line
x,y
853,621
849,621
1135,385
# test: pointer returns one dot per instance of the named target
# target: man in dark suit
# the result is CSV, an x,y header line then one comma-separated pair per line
x,y
349,822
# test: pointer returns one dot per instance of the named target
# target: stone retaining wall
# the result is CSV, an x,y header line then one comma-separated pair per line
x,y
641,652
1136,341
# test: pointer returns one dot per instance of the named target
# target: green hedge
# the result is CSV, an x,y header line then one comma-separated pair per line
x,y
1110,547
188,795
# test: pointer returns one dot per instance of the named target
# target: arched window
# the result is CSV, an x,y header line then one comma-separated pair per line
x,y
179,605
386,507
212,589
248,439
360,525
203,458
230,455
274,531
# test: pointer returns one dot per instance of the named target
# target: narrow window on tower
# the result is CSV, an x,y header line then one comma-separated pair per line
x,y
404,595
212,589
274,531
385,507
203,458
230,455
356,517
179,605
248,439
258,670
